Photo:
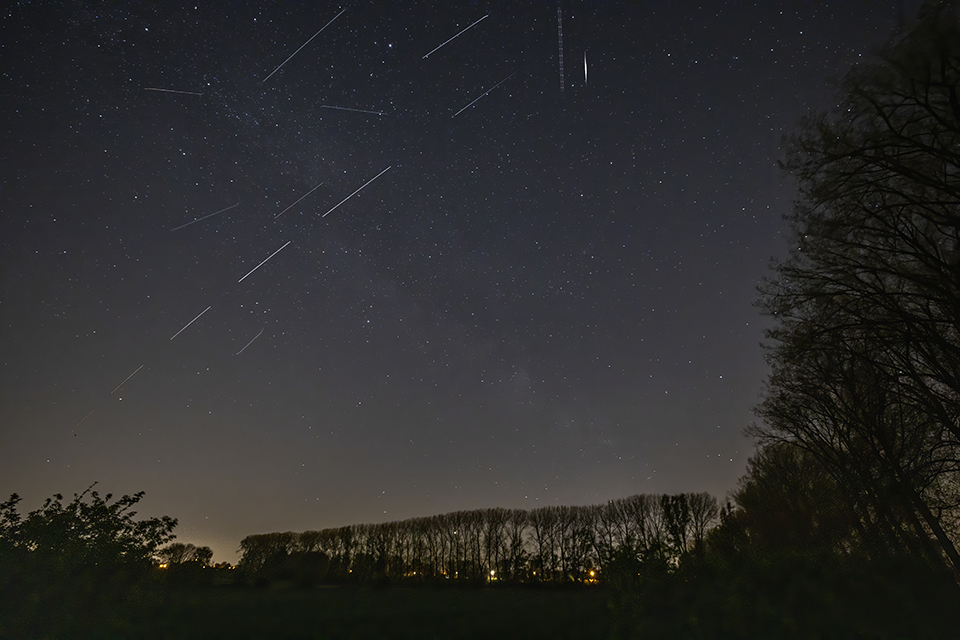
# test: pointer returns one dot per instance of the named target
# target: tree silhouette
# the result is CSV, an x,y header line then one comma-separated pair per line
x,y
70,565
180,553
866,355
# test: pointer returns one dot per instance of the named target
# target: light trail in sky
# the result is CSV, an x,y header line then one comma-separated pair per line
x,y
457,36
358,190
485,93
258,266
191,322
303,45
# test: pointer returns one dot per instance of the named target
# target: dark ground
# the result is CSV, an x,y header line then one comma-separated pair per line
x,y
363,612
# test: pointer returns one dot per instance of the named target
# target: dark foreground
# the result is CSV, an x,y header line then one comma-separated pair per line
x,y
364,612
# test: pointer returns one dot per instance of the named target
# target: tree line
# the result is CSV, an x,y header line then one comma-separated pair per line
x,y
554,544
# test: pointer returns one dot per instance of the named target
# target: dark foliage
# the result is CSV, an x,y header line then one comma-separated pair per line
x,y
784,563
67,568
847,522
865,352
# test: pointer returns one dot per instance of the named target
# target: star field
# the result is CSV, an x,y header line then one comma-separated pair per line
x,y
542,298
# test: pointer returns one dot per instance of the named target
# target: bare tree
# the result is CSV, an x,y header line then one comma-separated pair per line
x,y
866,346
677,521
516,554
704,511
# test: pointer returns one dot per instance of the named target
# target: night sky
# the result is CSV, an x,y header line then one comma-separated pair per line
x,y
545,298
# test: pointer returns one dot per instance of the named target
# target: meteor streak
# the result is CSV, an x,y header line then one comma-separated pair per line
x,y
255,268
330,106
132,374
294,204
303,45
485,93
204,217
84,418
249,343
358,190
458,35
189,93
185,326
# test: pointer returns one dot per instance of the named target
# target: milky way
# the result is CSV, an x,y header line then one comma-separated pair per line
x,y
545,297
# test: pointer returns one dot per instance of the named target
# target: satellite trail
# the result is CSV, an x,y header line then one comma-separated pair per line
x,y
560,42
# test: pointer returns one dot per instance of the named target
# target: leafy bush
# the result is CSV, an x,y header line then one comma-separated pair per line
x,y
67,568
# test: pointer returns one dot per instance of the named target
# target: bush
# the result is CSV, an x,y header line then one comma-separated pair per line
x,y
68,568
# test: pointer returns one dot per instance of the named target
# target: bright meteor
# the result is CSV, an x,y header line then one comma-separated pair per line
x,y
209,215
259,265
301,198
249,343
188,93
303,45
485,93
457,36
358,190
135,372
330,106
181,330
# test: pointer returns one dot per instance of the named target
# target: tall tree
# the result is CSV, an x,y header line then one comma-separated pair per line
x,y
677,521
866,345
704,511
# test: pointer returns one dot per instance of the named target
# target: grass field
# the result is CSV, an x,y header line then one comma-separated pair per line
x,y
359,612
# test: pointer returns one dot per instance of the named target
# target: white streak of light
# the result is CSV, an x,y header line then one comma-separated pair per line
x,y
128,377
303,45
205,217
264,262
190,323
458,35
295,203
485,93
358,190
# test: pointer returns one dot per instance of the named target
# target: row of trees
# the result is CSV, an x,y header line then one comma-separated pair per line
x,y
178,553
548,544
